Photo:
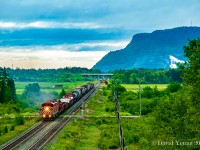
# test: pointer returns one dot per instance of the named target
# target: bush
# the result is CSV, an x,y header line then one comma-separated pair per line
x,y
5,129
104,93
99,122
12,128
147,92
173,87
19,120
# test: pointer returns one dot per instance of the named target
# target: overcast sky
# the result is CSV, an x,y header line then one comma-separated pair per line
x,y
123,16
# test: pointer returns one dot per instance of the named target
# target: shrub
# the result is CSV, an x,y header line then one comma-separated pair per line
x,y
12,128
19,120
5,129
173,87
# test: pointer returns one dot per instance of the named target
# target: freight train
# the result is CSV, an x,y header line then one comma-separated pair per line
x,y
53,108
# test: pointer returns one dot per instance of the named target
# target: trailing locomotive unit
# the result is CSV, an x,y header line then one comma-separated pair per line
x,y
52,108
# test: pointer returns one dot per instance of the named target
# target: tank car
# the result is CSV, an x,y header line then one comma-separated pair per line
x,y
79,92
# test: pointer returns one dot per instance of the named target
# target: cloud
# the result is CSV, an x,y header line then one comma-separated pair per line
x,y
50,10
107,45
57,56
50,24
126,14
50,59
100,46
58,33
58,36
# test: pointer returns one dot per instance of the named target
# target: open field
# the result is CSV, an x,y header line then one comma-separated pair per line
x,y
135,87
48,86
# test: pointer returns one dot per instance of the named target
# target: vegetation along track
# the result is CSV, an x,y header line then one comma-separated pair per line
x,y
15,143
48,136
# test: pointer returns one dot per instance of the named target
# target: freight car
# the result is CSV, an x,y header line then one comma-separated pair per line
x,y
53,108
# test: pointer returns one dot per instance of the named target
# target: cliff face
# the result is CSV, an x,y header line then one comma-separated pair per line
x,y
150,50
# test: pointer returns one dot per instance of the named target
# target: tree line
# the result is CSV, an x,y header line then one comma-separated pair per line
x,y
66,74
156,76
148,76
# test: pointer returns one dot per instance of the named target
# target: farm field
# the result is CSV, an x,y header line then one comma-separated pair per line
x,y
135,87
48,86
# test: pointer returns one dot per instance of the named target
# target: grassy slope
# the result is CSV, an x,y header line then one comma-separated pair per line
x,y
18,130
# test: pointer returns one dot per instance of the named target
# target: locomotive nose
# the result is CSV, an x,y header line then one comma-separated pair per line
x,y
47,108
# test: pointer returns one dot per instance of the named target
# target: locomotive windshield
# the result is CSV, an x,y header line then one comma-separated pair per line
x,y
43,105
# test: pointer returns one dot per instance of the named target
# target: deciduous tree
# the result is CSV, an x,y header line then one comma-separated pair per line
x,y
191,70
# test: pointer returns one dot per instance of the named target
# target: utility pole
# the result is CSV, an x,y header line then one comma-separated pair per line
x,y
140,98
118,120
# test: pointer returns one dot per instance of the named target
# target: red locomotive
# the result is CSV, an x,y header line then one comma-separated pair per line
x,y
52,108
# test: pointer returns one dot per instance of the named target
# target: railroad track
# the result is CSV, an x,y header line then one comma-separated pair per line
x,y
48,136
15,143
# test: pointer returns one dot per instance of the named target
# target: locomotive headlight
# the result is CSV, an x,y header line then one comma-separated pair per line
x,y
46,108
43,116
49,116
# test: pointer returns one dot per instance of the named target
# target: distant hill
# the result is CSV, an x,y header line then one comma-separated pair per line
x,y
150,50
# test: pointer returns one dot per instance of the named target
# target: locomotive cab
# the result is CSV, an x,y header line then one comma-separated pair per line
x,y
49,110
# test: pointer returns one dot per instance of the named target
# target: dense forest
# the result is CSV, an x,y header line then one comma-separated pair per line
x,y
49,75
148,76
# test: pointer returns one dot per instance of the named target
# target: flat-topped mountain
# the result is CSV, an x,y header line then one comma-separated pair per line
x,y
150,50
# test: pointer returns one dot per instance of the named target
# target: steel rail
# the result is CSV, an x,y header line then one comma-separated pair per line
x,y
48,136
24,137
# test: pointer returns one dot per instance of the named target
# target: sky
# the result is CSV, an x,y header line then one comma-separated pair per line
x,y
60,33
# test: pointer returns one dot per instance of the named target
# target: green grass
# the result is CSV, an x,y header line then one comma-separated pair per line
x,y
89,133
21,85
48,86
135,87
90,142
18,130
